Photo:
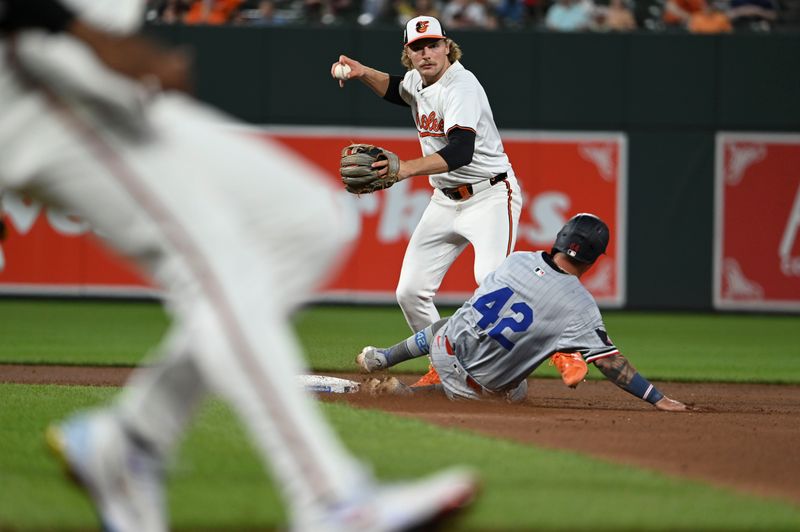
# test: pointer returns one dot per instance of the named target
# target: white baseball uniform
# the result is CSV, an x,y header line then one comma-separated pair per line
x,y
212,217
488,219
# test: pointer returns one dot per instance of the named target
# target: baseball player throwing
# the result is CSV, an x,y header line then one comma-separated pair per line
x,y
167,183
531,308
476,197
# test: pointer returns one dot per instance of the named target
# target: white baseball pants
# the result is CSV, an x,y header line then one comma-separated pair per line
x,y
488,220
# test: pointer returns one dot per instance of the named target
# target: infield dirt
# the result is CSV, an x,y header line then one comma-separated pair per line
x,y
745,437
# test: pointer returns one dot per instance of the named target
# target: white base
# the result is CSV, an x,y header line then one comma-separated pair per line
x,y
324,384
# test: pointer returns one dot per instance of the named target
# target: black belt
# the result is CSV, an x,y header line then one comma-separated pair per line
x,y
465,191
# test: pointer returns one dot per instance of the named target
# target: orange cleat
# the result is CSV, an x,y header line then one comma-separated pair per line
x,y
429,379
571,366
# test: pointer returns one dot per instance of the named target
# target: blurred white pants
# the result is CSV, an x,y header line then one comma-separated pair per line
x,y
237,232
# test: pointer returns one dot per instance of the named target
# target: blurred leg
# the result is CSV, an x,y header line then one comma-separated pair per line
x,y
151,200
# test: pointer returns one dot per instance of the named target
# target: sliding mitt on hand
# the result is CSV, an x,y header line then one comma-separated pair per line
x,y
571,366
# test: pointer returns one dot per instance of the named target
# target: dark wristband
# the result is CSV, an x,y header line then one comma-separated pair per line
x,y
643,389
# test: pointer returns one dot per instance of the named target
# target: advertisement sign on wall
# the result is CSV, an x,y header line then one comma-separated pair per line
x,y
561,174
757,225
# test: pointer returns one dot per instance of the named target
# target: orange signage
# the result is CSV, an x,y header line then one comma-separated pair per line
x,y
561,174
757,226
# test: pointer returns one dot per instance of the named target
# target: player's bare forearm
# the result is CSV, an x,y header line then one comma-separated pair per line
x,y
430,164
617,369
133,56
374,79
136,57
621,372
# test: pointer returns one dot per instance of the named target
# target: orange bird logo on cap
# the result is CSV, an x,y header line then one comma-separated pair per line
x,y
422,26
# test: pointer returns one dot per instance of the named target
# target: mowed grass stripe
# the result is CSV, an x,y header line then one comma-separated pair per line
x,y
664,346
217,482
79,332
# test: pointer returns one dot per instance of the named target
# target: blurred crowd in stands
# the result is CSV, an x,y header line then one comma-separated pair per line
x,y
696,16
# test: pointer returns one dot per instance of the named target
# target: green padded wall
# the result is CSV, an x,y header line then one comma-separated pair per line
x,y
670,93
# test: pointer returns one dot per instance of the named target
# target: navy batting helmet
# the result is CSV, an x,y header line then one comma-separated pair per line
x,y
584,238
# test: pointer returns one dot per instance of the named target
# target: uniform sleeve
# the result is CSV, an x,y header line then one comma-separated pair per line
x,y
393,91
460,148
587,335
594,350
406,88
462,106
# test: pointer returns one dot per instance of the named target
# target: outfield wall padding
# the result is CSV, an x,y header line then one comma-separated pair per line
x,y
670,93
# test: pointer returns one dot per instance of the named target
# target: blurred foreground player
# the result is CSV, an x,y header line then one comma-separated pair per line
x,y
211,218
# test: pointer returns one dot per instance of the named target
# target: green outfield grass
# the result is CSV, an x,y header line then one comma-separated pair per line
x,y
217,482
698,347
78,332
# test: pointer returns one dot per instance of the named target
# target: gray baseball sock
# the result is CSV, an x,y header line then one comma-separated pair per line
x,y
413,346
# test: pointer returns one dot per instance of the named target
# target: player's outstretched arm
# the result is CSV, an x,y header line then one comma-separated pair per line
x,y
427,165
131,55
621,372
374,79
137,57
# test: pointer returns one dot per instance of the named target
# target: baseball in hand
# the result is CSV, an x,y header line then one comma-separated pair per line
x,y
341,71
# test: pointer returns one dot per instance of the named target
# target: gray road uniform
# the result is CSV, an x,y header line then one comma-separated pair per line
x,y
522,313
